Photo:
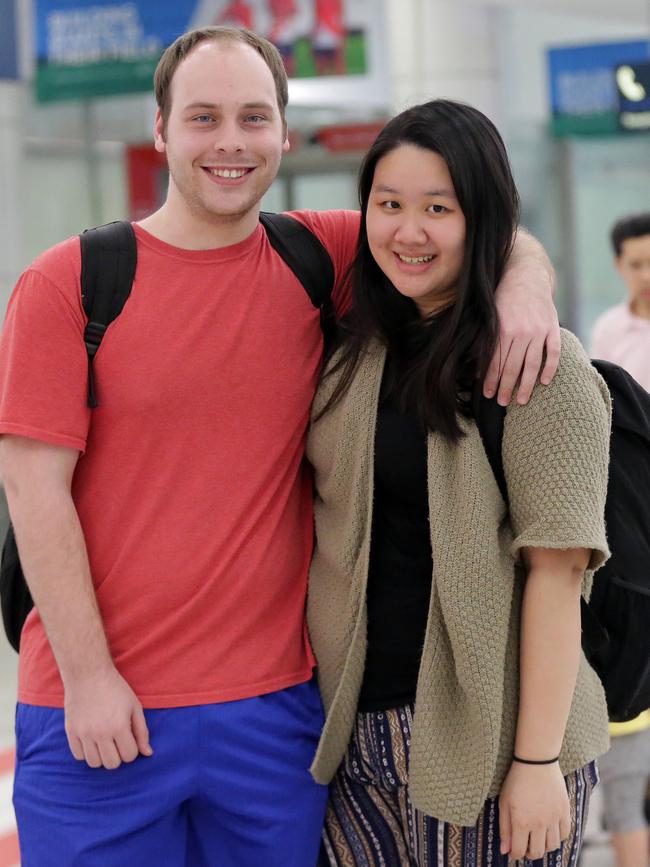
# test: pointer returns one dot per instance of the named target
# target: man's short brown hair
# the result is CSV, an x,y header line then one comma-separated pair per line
x,y
178,51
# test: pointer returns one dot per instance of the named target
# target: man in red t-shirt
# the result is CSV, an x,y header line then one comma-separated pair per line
x,y
167,712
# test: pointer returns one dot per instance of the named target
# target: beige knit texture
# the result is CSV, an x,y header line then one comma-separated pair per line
x,y
555,455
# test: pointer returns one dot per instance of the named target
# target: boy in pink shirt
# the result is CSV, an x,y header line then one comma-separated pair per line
x,y
622,334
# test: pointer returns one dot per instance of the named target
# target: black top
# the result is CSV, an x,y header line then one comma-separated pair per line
x,y
399,578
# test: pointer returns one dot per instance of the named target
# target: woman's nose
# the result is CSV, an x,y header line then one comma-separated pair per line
x,y
410,230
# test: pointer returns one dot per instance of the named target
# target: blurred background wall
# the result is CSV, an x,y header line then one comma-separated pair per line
x,y
68,164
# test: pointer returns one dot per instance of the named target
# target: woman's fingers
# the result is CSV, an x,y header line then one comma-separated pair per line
x,y
553,839
505,829
531,843
534,812
519,842
536,844
565,825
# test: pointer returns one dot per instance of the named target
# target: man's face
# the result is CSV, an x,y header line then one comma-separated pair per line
x,y
224,137
633,264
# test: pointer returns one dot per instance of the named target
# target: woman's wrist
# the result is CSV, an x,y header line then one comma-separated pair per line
x,y
527,761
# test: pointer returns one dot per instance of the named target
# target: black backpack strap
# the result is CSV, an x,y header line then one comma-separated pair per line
x,y
309,261
489,417
630,404
108,263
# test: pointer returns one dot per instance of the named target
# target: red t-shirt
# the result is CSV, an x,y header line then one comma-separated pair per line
x,y
191,489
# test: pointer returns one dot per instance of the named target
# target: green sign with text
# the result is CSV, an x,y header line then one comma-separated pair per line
x,y
89,48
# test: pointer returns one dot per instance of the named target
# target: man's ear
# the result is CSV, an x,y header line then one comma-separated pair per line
x,y
159,132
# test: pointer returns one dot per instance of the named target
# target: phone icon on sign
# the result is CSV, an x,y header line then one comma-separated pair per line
x,y
628,85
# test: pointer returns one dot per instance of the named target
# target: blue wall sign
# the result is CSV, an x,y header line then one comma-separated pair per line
x,y
583,88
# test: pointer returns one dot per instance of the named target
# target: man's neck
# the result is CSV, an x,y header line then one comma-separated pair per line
x,y
181,228
640,308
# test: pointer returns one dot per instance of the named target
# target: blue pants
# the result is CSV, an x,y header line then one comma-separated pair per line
x,y
228,786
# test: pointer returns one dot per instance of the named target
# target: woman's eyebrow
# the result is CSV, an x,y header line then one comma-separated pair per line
x,y
449,194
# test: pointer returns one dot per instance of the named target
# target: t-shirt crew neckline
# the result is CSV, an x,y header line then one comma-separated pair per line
x,y
217,254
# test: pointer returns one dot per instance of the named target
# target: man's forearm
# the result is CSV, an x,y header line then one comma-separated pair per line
x,y
55,563
528,252
529,336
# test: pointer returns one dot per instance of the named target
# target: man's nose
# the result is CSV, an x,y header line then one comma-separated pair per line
x,y
229,139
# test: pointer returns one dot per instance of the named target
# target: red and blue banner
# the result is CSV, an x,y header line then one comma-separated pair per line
x,y
89,48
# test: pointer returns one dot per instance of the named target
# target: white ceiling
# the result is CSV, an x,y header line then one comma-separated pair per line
x,y
637,11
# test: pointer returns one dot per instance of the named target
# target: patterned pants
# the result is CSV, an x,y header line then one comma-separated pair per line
x,y
371,822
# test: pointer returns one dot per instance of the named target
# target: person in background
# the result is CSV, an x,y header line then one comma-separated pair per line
x,y
625,775
462,718
622,335
167,710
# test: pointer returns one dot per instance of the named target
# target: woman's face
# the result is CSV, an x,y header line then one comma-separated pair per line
x,y
416,229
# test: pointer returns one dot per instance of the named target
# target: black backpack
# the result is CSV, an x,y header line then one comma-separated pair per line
x,y
616,620
108,264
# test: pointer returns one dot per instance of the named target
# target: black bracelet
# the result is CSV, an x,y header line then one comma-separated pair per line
x,y
535,761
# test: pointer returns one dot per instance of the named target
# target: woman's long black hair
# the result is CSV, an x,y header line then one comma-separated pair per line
x,y
439,358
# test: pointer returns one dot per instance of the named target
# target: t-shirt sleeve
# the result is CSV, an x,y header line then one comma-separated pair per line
x,y
555,459
338,231
43,364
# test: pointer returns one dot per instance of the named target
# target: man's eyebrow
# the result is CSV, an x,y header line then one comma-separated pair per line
x,y
449,194
267,106
193,106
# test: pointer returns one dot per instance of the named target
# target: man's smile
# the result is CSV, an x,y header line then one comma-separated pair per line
x,y
228,174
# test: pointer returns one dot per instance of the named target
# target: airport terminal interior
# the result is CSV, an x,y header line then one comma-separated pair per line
x,y
543,70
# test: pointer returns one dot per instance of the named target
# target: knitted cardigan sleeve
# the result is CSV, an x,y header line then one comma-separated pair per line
x,y
555,459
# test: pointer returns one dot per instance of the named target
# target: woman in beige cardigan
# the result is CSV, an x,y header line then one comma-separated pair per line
x,y
462,717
